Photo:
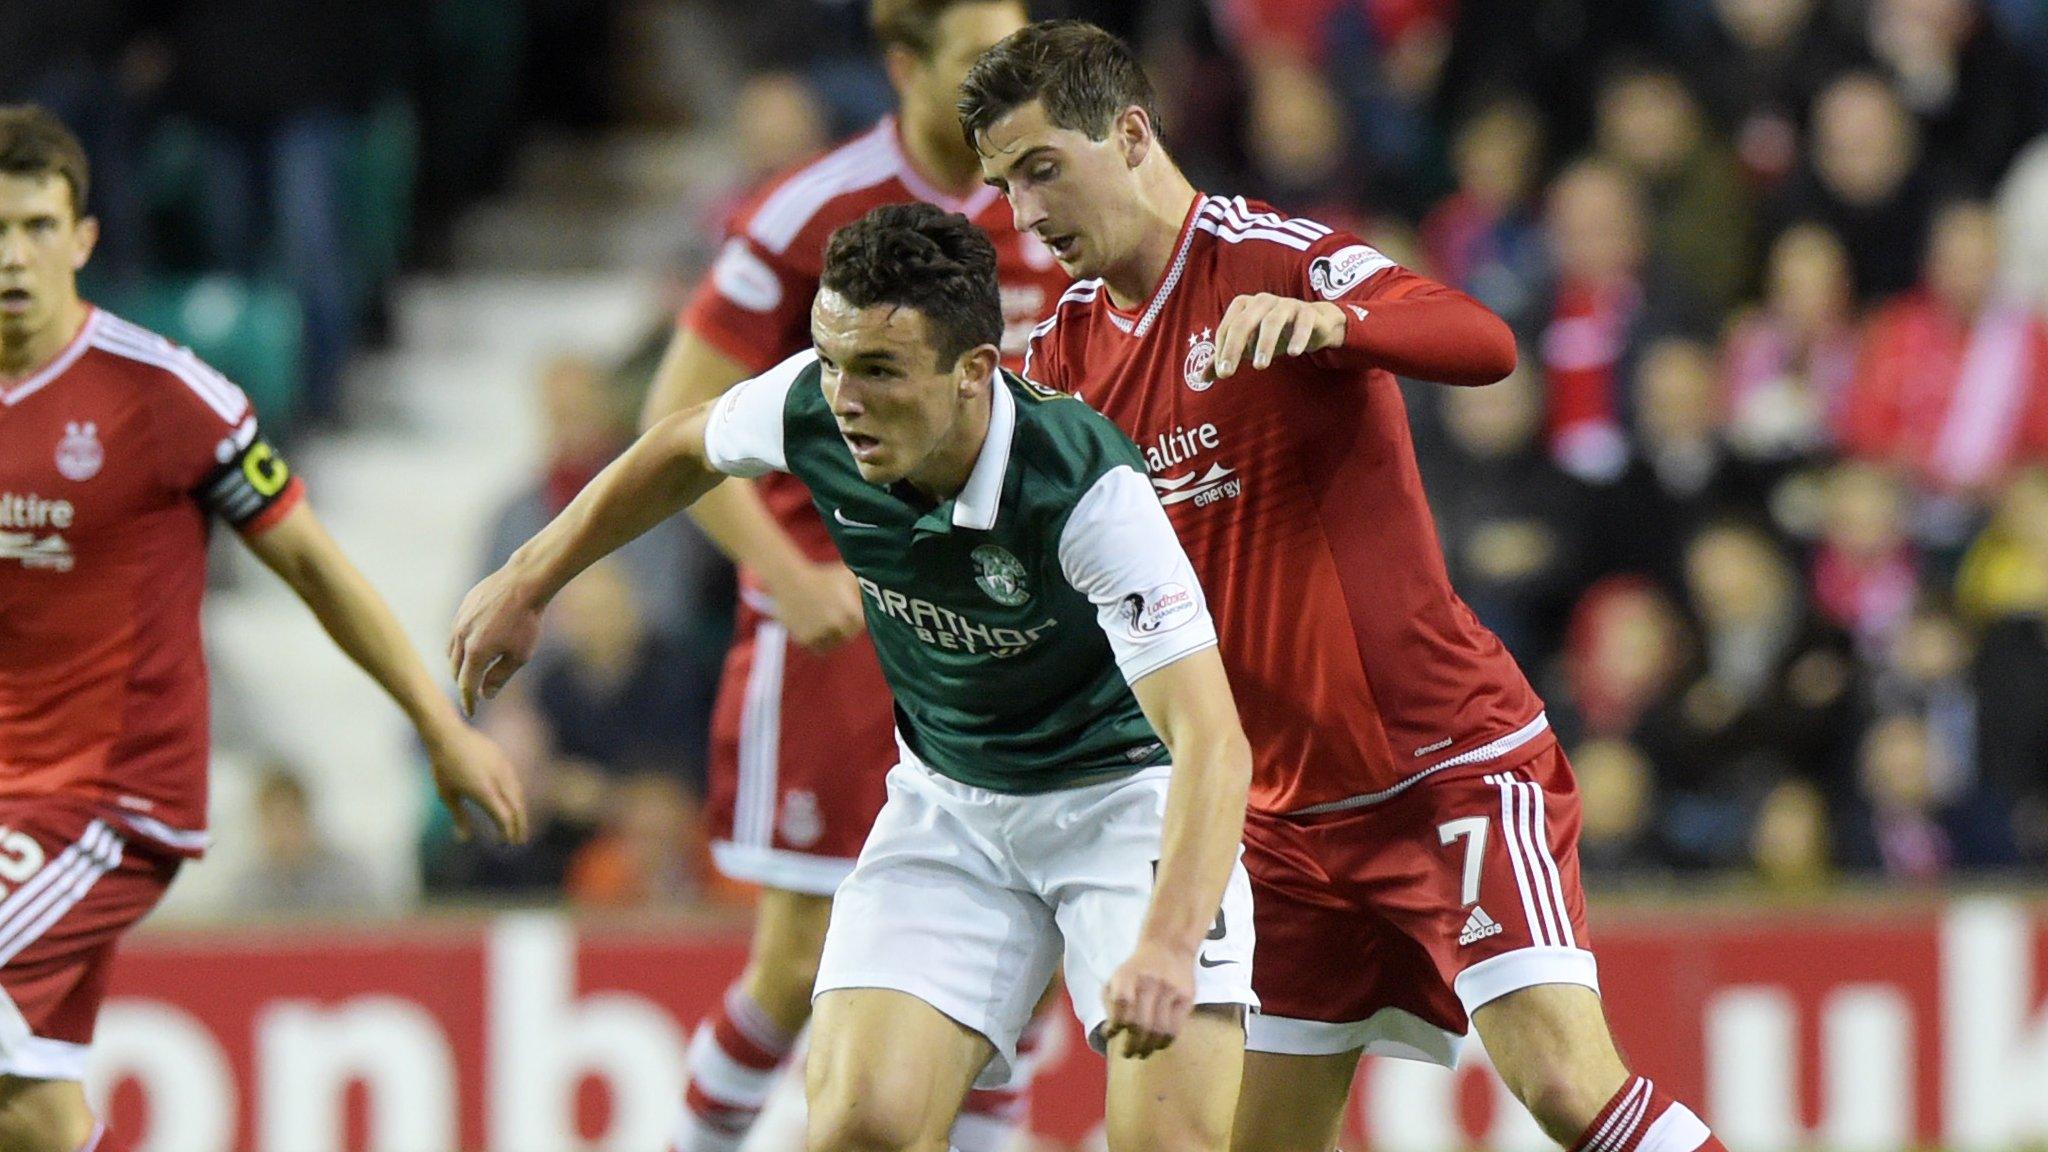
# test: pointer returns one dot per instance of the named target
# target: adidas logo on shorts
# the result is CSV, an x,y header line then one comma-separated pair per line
x,y
1478,926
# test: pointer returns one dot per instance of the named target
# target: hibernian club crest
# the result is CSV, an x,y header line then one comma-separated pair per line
x,y
1000,575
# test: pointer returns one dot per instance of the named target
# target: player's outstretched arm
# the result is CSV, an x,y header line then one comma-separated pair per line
x,y
818,603
1407,324
466,764
1189,704
499,621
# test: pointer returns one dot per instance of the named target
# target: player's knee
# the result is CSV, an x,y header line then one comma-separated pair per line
x,y
849,1118
43,1122
1171,1134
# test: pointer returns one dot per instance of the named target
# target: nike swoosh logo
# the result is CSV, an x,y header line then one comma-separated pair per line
x,y
841,517
1205,962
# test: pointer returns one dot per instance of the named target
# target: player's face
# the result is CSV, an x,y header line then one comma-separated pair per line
x,y
1074,193
901,413
42,247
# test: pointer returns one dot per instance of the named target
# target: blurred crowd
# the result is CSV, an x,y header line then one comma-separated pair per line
x,y
262,171
1763,511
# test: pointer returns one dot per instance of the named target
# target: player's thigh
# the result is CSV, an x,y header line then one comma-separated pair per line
x,y
1292,1103
886,1071
1180,1099
782,961
1552,1047
935,909
43,1115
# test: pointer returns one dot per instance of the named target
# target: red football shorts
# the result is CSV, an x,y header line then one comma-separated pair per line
x,y
73,884
1384,927
801,747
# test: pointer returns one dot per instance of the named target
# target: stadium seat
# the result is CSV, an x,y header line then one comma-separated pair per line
x,y
250,330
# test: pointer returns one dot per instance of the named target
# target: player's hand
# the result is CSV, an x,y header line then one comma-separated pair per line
x,y
1149,998
468,766
496,630
1267,326
820,605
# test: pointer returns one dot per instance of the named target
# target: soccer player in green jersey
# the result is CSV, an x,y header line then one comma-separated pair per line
x,y
1073,774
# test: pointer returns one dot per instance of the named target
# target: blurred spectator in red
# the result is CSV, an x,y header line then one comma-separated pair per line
x,y
1865,181
1597,228
1974,95
1483,237
1953,383
1625,649
1700,209
1787,364
1866,572
1758,64
1512,526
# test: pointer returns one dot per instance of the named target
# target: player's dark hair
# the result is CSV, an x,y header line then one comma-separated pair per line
x,y
914,24
924,258
1083,75
35,143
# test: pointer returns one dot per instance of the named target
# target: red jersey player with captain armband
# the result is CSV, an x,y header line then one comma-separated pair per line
x,y
1413,833
117,449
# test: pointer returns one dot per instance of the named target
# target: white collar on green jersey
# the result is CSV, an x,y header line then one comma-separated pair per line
x,y
977,503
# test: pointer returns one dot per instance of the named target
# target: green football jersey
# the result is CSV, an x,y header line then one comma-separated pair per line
x,y
1012,619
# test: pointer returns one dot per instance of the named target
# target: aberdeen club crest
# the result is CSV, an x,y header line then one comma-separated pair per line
x,y
1196,369
79,454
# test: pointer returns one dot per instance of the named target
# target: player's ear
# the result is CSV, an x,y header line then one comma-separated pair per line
x,y
901,64
1133,130
85,237
977,365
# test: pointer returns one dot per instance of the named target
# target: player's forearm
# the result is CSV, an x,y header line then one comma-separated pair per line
x,y
1435,333
662,473
1204,826
356,618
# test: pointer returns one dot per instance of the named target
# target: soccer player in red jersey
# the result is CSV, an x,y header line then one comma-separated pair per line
x,y
116,450
1412,839
803,730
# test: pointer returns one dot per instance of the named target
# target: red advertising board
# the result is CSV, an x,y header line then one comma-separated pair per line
x,y
1858,1030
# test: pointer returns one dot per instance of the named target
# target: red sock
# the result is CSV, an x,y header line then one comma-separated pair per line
x,y
733,1060
1641,1118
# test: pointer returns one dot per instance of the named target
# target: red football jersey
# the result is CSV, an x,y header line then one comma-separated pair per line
x,y
112,457
1357,670
755,306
